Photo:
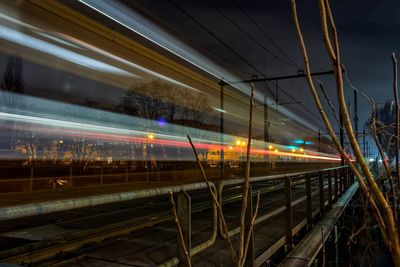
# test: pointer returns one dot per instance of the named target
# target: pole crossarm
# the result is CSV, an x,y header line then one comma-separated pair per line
x,y
298,75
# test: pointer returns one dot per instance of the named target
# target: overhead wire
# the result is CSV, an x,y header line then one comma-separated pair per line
x,y
233,51
249,35
292,62
265,34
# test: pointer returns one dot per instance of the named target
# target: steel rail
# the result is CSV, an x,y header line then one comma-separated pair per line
x,y
76,240
25,210
202,246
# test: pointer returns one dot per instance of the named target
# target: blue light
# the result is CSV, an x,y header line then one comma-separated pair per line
x,y
302,142
161,122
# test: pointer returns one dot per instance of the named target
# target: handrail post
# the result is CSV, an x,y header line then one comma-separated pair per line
x,y
341,181
336,184
308,201
346,179
321,192
249,217
352,176
184,216
289,213
329,189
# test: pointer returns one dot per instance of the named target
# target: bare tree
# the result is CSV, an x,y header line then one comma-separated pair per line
x,y
379,204
151,100
13,81
384,120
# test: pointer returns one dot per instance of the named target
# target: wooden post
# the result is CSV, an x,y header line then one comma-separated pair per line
x,y
289,213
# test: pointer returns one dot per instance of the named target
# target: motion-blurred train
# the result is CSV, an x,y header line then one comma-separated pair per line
x,y
85,84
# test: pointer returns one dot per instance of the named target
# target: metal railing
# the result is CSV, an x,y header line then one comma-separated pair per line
x,y
327,184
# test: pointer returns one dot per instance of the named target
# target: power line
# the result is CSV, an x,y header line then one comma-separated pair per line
x,y
248,35
274,43
233,51
265,34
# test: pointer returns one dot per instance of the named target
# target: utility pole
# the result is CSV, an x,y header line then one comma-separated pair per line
x,y
364,145
266,133
254,79
319,143
356,114
221,124
341,138
276,94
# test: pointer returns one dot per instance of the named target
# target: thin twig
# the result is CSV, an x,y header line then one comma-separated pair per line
x,y
384,161
393,241
215,199
246,181
250,232
323,247
317,101
396,101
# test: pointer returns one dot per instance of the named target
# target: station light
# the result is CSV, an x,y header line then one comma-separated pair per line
x,y
150,136
270,147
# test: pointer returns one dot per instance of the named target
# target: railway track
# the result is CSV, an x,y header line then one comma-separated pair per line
x,y
54,252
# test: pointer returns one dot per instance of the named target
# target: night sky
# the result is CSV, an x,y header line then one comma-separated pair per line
x,y
368,33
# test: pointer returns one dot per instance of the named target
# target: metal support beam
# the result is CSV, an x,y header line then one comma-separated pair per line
x,y
300,74
356,113
341,138
364,144
266,132
221,124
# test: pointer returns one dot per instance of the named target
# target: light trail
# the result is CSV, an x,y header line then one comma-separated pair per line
x,y
135,22
62,128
